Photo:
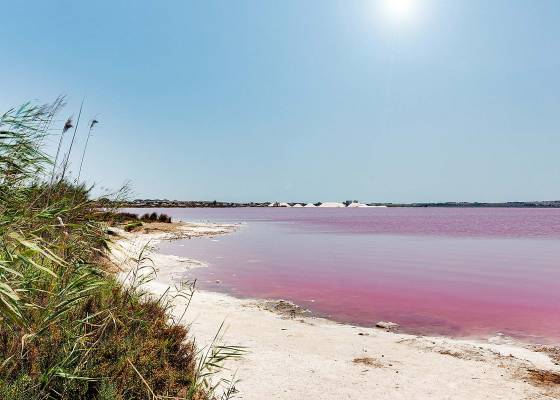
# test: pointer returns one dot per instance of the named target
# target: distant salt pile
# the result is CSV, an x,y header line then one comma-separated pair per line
x,y
297,205
310,205
273,204
357,205
284,205
332,205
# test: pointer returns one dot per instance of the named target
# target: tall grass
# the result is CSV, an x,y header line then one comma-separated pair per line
x,y
68,329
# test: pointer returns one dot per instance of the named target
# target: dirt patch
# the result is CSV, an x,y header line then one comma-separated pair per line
x,y
541,377
146,227
152,227
452,353
284,308
368,362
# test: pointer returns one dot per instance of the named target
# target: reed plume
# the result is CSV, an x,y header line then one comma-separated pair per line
x,y
67,158
67,125
91,125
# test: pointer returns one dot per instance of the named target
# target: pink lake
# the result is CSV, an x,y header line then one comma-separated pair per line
x,y
449,271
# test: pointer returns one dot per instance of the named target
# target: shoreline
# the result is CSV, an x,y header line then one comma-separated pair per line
x,y
157,203
298,356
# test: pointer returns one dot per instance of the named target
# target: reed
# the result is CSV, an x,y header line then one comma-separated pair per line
x,y
67,125
66,159
68,328
92,123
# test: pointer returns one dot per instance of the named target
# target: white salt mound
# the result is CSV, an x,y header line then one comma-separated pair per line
x,y
357,205
332,205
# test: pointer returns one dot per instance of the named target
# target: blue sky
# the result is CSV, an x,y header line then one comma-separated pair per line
x,y
301,100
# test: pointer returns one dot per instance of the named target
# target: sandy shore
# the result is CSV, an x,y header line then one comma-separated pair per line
x,y
295,357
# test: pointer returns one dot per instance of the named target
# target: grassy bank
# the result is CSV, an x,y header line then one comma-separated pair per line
x,y
68,329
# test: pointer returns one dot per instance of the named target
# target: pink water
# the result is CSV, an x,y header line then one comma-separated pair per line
x,y
459,272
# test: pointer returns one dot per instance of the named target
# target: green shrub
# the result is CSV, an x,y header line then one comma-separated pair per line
x,y
123,217
155,217
164,218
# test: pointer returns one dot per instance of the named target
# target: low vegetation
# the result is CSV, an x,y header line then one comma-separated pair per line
x,y
68,329
155,217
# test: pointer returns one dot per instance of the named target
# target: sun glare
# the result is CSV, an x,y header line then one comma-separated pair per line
x,y
400,12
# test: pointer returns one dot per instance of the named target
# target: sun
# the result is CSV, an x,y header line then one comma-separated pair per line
x,y
400,12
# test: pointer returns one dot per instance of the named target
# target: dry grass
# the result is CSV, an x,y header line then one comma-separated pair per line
x,y
161,227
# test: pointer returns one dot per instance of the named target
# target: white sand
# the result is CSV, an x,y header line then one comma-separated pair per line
x,y
310,358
